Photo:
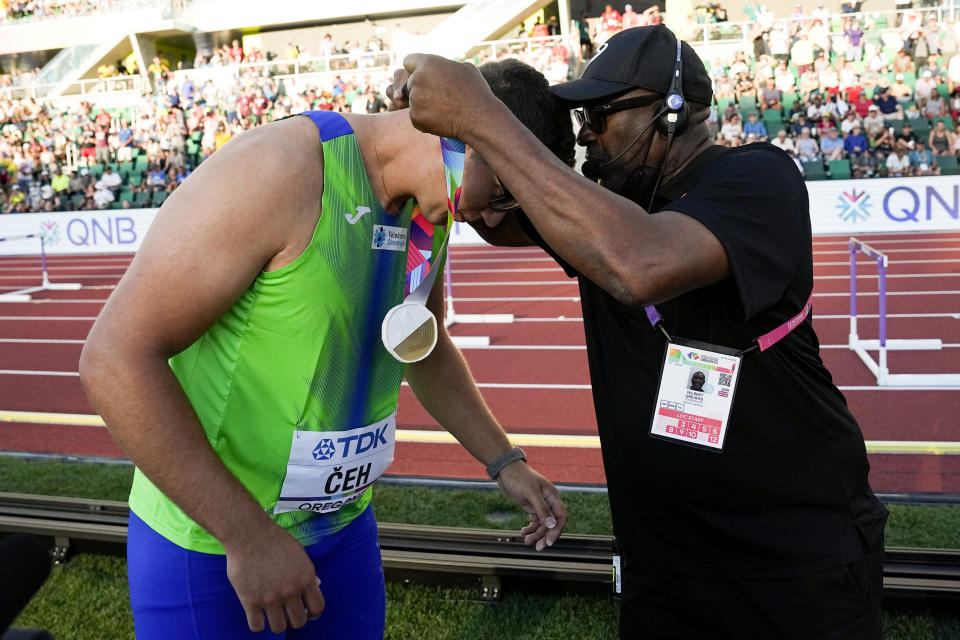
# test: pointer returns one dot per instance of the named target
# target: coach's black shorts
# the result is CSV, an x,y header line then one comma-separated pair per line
x,y
838,604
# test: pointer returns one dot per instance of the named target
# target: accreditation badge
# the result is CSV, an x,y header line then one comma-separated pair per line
x,y
697,385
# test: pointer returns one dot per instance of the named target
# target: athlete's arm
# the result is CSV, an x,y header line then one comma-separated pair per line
x,y
444,386
241,211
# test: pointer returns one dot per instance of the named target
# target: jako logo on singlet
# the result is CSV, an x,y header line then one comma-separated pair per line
x,y
389,238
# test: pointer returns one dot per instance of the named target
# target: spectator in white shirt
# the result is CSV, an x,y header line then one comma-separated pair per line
x,y
898,162
783,142
848,123
111,180
102,196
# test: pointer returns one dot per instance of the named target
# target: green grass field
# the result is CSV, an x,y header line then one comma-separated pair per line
x,y
86,598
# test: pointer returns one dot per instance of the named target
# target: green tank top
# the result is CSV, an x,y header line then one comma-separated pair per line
x,y
299,351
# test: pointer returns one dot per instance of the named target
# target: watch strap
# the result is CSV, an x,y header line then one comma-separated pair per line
x,y
495,467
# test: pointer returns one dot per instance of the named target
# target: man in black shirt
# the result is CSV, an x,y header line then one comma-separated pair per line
x,y
777,535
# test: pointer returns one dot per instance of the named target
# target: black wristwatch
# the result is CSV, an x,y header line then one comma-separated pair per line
x,y
495,467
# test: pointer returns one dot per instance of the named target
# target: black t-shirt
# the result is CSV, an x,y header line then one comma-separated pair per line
x,y
789,493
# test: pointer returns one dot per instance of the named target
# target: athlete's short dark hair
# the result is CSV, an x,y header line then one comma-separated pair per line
x,y
527,94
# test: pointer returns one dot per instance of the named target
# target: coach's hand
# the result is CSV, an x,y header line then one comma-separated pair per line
x,y
273,575
539,498
397,92
446,98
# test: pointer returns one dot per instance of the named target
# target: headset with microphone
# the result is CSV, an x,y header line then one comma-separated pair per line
x,y
670,119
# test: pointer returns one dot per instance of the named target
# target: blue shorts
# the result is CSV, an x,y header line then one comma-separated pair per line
x,y
183,594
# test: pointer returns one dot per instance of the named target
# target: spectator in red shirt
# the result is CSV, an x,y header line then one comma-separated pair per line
x,y
539,30
630,17
610,21
236,52
862,104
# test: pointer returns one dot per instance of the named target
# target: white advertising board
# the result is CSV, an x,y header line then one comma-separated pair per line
x,y
846,207
885,205
107,231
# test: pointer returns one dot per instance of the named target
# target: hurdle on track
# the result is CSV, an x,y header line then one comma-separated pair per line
x,y
861,347
23,295
451,317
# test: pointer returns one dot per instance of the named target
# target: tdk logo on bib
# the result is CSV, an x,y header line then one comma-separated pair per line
x,y
389,238
325,450
352,444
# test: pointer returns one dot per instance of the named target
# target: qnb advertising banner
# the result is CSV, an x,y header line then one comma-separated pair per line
x,y
108,231
885,204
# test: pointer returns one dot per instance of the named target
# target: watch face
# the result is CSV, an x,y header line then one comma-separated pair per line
x,y
675,101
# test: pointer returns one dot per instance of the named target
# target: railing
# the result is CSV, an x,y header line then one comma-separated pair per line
x,y
732,31
170,8
90,87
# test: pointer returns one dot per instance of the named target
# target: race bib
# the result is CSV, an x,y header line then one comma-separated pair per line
x,y
697,385
330,469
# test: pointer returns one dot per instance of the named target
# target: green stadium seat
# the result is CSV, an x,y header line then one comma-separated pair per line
x,y
920,127
909,78
772,118
943,90
947,122
896,123
135,178
96,171
948,165
141,199
158,198
125,169
125,194
114,166
788,100
747,103
722,104
116,204
77,200
839,169
814,170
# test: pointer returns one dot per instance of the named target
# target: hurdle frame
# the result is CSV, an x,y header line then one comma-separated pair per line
x,y
451,317
879,367
24,295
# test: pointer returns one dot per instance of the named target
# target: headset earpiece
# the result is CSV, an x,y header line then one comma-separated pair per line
x,y
674,120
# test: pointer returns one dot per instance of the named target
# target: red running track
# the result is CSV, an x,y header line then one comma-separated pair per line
x,y
40,343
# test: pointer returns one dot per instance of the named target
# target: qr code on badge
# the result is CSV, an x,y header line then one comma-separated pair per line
x,y
726,380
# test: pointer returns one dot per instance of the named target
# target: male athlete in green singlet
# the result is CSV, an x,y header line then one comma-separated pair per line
x,y
239,364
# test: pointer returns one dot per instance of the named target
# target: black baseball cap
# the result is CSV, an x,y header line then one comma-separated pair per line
x,y
641,57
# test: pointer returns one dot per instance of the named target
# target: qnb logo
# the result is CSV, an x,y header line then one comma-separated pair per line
x,y
325,450
853,207
51,232
379,237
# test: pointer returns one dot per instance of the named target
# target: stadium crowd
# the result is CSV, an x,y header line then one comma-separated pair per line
x,y
846,96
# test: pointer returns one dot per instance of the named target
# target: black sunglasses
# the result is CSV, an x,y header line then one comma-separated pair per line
x,y
505,202
595,118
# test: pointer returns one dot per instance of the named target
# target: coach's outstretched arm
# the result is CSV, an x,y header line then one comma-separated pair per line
x,y
209,241
604,236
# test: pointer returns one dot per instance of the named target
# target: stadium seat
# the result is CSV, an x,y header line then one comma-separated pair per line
x,y
897,124
141,199
158,198
772,118
920,127
125,169
943,90
722,104
788,100
125,194
948,165
947,122
77,200
839,169
814,170
747,103
135,178
96,171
